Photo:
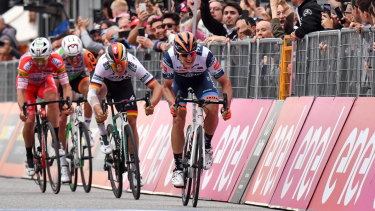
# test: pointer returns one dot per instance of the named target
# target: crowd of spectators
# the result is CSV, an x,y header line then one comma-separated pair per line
x,y
146,24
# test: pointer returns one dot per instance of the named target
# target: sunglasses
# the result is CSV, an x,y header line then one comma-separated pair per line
x,y
43,59
215,8
188,54
169,25
121,64
74,57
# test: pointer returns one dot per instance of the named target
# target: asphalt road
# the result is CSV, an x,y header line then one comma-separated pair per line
x,y
21,194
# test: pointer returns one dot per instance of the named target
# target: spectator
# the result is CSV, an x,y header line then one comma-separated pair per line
x,y
250,5
364,12
216,10
231,12
309,18
7,32
245,28
171,26
124,23
119,8
282,18
94,46
107,9
263,30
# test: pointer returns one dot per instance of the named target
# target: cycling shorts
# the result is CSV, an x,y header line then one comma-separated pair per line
x,y
39,91
75,83
202,85
122,91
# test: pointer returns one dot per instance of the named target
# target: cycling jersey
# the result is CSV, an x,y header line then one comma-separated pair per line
x,y
28,74
87,61
204,61
103,70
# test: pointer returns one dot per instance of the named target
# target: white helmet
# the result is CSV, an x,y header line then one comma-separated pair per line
x,y
40,48
71,45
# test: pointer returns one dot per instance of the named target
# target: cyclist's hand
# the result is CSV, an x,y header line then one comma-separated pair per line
x,y
173,110
226,114
67,111
23,117
149,110
101,117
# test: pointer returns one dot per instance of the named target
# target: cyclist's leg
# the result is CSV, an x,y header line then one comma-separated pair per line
x,y
102,93
62,120
177,134
28,130
83,88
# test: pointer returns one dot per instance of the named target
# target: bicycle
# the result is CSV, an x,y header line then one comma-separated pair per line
x,y
194,148
46,148
79,151
123,142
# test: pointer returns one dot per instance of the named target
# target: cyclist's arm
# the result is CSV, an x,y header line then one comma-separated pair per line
x,y
156,92
22,83
67,91
167,91
21,97
226,87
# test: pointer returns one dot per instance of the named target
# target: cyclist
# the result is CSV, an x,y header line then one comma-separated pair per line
x,y
188,64
78,61
113,73
35,79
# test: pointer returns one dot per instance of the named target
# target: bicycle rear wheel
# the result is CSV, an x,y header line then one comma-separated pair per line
x,y
186,190
86,158
52,158
198,165
132,162
40,172
114,163
72,157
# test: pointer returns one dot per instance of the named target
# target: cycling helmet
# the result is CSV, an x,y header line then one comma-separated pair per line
x,y
116,53
185,42
71,45
40,48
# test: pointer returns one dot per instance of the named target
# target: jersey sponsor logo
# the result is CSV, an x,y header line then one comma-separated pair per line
x,y
213,60
106,65
132,66
145,77
97,77
27,66
216,65
57,62
168,63
165,69
307,12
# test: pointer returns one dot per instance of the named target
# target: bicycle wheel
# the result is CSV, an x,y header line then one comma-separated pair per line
x,y
185,162
198,165
71,156
40,172
114,163
52,158
86,158
132,163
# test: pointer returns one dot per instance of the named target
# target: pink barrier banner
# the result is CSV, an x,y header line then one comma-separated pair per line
x,y
233,141
311,152
273,160
164,185
347,182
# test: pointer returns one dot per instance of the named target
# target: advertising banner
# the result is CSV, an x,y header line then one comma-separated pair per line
x,y
311,152
347,182
282,140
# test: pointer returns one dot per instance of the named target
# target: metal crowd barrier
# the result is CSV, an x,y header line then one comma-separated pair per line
x,y
325,63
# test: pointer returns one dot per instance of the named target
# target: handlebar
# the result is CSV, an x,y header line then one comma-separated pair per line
x,y
125,103
43,104
200,102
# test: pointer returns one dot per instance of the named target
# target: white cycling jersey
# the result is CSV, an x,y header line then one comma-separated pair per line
x,y
204,61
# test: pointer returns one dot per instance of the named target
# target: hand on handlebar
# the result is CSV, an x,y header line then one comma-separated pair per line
x,y
23,117
101,117
67,111
175,109
226,114
149,110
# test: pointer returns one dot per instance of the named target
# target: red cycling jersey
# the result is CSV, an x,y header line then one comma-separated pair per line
x,y
28,74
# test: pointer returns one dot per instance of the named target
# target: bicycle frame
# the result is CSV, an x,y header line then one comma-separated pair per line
x,y
73,124
124,121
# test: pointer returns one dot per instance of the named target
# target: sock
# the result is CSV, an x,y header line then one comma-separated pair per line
x,y
208,139
87,122
29,152
102,130
178,161
63,161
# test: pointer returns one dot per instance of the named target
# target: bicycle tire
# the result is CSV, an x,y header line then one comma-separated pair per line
x,y
71,154
52,157
198,165
86,158
132,163
113,164
186,190
40,172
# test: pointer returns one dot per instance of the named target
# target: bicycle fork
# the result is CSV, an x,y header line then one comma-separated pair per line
x,y
196,122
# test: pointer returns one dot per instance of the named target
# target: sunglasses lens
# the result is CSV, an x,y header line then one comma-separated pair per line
x,y
188,54
37,60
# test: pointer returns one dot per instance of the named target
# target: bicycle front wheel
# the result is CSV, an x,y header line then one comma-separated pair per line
x,y
114,162
197,164
86,158
71,153
185,162
40,171
132,162
52,158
